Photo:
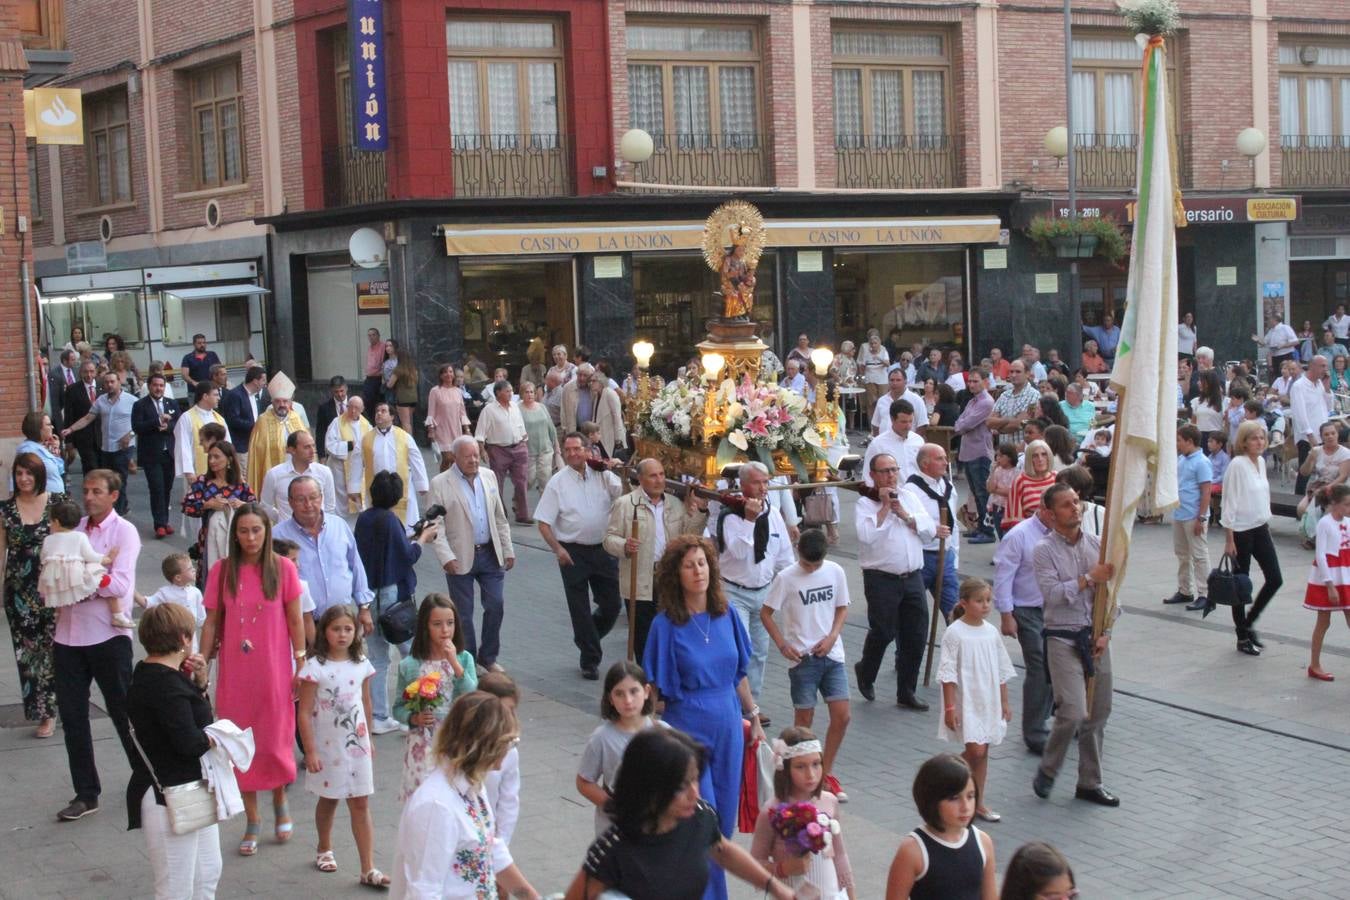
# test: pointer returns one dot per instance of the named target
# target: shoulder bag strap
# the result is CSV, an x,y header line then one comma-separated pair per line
x,y
146,759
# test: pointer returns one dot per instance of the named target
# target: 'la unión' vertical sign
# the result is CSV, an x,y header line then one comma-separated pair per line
x,y
365,30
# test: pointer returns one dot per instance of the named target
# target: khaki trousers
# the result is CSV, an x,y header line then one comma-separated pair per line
x,y
1192,552
1071,712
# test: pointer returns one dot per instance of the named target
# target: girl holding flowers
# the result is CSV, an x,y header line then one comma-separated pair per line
x,y
335,730
797,833
435,673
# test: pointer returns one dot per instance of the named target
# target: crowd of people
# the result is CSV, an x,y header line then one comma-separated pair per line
x,y
299,577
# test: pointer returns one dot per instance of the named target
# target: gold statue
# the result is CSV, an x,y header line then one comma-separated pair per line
x,y
736,269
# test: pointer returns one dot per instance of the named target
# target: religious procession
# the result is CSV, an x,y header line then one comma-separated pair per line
x,y
606,687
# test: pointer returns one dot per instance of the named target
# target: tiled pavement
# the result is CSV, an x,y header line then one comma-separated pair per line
x,y
1229,768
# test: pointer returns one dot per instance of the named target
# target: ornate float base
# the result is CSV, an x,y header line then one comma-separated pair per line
x,y
701,462
739,345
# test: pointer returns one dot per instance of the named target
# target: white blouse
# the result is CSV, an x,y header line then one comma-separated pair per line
x,y
445,843
1207,418
1246,494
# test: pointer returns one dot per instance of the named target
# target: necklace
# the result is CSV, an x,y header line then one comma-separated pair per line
x,y
706,632
245,644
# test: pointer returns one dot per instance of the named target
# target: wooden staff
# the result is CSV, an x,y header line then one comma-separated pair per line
x,y
632,588
1101,595
937,596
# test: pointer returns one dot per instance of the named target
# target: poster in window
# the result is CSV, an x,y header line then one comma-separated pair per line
x,y
936,304
372,298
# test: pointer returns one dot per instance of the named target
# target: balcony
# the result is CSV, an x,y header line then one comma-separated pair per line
x,y
1110,162
880,161
1314,161
707,160
353,177
511,165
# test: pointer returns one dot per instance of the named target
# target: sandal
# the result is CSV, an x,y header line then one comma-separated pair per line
x,y
249,845
375,879
46,729
987,815
325,861
282,830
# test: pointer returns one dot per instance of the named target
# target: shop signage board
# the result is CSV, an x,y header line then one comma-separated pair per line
x,y
54,115
370,118
996,258
610,237
1240,209
372,298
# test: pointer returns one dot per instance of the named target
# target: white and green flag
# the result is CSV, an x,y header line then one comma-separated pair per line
x,y
1144,454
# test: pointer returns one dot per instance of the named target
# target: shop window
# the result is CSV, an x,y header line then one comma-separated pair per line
x,y
507,303
110,312
34,194
675,295
216,115
108,148
922,293
1315,114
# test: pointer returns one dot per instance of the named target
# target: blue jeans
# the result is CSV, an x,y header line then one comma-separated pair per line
x,y
490,576
377,650
977,475
949,579
817,674
747,604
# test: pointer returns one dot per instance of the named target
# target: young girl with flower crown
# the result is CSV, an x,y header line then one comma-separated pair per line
x,y
335,730
438,658
798,779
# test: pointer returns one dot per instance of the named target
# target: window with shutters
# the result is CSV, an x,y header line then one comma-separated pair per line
x,y
1314,113
107,147
217,113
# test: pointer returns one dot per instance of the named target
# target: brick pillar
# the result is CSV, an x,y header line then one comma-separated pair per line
x,y
419,101
16,367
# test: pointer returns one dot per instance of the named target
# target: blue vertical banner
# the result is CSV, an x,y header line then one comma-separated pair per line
x,y
365,30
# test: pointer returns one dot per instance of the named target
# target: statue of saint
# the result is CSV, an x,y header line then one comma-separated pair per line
x,y
738,278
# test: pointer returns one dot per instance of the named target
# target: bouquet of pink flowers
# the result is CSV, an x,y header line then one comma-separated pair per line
x,y
803,828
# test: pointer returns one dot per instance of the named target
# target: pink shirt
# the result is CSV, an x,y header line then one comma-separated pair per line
x,y
88,623
374,358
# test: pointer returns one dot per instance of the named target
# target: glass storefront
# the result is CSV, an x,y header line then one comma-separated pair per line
x,y
507,303
675,294
99,314
920,292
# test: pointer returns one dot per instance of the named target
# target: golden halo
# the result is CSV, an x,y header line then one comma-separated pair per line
x,y
717,231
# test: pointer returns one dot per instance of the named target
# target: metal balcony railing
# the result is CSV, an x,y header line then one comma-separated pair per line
x,y
353,177
739,159
1111,161
511,165
1314,161
878,161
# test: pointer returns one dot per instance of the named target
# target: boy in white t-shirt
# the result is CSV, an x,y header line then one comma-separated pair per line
x,y
291,550
813,595
181,574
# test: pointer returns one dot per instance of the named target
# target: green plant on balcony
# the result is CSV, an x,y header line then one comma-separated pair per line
x,y
1079,237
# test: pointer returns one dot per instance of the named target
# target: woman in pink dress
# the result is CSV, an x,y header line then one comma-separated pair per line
x,y
446,418
254,628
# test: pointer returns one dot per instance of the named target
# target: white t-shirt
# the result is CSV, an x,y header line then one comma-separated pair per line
x,y
1207,418
808,601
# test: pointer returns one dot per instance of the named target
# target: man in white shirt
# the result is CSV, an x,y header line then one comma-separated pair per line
x,y
899,440
898,386
794,380
573,516
931,486
501,429
1280,342
1339,324
1031,358
343,443
388,448
752,546
189,453
301,453
891,533
1309,405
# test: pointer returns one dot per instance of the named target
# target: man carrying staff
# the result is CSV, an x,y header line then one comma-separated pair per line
x,y
1068,572
891,533
343,443
267,444
656,521
388,448
931,487
573,515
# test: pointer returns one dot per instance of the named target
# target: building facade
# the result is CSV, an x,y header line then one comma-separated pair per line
x,y
898,151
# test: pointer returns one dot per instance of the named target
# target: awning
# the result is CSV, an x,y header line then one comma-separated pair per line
x,y
218,290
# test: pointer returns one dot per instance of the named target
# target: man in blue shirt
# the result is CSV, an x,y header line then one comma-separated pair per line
x,y
1018,598
197,364
113,408
329,564
1107,336
1189,541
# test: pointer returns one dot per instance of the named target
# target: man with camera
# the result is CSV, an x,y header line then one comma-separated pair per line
x,y
474,546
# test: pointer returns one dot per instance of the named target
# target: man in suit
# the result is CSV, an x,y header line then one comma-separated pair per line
x,y
241,407
330,409
65,373
589,398
153,419
79,399
474,545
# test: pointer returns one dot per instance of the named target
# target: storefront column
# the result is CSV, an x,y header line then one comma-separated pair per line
x,y
1009,312
608,309
1225,316
807,296
429,287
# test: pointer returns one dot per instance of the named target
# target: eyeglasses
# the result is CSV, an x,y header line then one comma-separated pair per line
x,y
890,470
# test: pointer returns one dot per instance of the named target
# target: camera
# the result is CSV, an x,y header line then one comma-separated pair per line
x,y
433,513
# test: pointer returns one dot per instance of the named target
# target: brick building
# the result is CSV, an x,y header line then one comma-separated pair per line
x,y
889,144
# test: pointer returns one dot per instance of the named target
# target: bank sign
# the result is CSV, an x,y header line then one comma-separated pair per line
x,y
370,117
1239,210
612,237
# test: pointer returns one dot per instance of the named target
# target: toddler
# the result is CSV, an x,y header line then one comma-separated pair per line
x,y
1101,442
72,569
181,574
1000,483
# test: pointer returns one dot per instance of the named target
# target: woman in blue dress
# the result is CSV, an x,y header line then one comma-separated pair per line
x,y
696,655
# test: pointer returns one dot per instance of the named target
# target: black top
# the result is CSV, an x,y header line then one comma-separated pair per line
x,y
670,866
168,713
948,413
951,873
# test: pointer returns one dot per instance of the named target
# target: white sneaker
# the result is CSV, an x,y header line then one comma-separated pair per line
x,y
384,726
122,620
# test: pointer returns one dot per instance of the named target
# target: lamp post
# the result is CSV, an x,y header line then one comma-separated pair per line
x,y
635,147
642,355
1251,143
712,419
821,358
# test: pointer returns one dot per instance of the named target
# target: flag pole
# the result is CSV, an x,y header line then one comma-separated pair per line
x,y
632,590
937,597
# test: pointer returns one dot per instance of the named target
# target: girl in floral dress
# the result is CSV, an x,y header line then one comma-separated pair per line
x,y
335,729
221,490
438,646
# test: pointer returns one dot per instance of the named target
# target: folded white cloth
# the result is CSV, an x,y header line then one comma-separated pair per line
x,y
234,749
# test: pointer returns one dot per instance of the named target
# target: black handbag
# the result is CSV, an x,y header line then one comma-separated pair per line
x,y
398,623
1226,587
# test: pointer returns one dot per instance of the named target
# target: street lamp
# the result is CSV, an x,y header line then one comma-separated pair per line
x,y
636,146
821,357
1057,143
1251,143
642,354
